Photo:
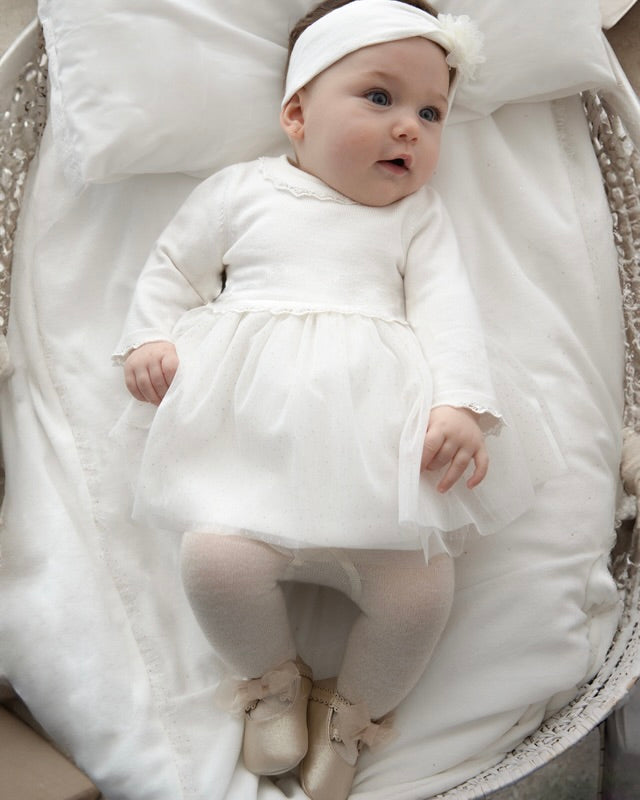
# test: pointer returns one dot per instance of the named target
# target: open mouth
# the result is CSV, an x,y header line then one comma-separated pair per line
x,y
398,165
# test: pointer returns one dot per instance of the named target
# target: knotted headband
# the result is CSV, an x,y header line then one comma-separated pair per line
x,y
366,22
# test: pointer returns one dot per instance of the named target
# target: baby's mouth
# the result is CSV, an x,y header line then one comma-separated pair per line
x,y
398,166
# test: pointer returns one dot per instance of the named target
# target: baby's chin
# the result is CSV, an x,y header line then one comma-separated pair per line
x,y
377,199
383,192
382,202
379,195
379,187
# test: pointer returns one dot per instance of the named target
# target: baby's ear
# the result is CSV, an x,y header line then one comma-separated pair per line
x,y
292,118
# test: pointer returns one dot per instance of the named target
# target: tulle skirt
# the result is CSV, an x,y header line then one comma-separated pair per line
x,y
306,430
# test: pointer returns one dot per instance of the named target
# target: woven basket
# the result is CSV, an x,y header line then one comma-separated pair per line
x,y
21,125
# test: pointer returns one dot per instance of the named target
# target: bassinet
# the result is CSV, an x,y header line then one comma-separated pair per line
x,y
21,127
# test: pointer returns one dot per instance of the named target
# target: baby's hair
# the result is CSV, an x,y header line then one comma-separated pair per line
x,y
324,7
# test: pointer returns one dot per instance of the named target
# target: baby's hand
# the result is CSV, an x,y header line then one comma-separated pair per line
x,y
454,437
149,370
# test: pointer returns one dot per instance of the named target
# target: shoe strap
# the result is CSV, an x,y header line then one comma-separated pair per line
x,y
352,724
328,697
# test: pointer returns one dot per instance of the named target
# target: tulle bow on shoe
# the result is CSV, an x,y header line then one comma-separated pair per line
x,y
355,729
238,696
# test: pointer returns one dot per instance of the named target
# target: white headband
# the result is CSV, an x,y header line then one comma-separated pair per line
x,y
365,22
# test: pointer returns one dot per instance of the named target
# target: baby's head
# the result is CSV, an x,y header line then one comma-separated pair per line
x,y
369,84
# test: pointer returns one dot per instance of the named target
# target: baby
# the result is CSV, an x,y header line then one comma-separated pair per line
x,y
307,333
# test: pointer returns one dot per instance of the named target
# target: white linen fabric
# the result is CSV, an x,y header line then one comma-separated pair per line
x,y
299,408
96,633
195,86
613,11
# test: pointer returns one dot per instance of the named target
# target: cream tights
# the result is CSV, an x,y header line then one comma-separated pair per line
x,y
234,586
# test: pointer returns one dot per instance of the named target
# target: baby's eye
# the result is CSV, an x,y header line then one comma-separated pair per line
x,y
430,114
378,97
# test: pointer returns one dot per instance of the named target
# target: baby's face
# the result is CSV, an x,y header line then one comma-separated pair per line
x,y
370,125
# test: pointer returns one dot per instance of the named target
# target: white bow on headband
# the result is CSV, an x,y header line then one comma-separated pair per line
x,y
366,22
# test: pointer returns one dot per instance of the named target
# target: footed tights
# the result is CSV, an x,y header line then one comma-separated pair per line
x,y
233,584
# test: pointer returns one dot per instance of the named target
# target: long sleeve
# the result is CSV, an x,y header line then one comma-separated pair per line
x,y
441,309
183,271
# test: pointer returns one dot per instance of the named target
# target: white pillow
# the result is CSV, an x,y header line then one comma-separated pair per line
x,y
193,85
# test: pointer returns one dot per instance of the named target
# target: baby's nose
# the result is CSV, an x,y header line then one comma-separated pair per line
x,y
406,127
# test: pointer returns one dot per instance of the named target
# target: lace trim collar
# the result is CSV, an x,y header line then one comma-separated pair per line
x,y
284,175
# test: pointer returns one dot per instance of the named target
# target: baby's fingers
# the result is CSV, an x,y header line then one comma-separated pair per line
x,y
169,365
433,442
458,465
150,369
132,384
158,381
481,460
146,381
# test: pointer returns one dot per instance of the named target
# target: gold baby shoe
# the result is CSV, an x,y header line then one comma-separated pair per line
x,y
275,709
337,732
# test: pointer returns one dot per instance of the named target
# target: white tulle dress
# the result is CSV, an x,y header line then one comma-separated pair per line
x,y
298,412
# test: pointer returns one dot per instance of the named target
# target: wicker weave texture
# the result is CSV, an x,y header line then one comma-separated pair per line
x,y
21,126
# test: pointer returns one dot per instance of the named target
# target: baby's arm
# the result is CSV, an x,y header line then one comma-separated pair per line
x,y
183,271
442,311
454,437
149,370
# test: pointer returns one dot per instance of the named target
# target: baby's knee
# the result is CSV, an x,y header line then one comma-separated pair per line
x,y
226,565
414,600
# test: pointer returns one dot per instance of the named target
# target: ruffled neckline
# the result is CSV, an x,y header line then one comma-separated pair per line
x,y
289,178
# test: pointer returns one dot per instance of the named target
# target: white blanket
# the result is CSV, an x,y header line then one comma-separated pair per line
x,y
95,631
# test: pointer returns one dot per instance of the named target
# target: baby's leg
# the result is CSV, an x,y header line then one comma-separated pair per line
x,y
405,603
233,586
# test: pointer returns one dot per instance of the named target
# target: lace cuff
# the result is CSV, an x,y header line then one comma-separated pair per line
x,y
133,342
489,419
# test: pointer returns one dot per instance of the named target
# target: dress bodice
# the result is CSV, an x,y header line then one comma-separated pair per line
x,y
315,261
267,236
